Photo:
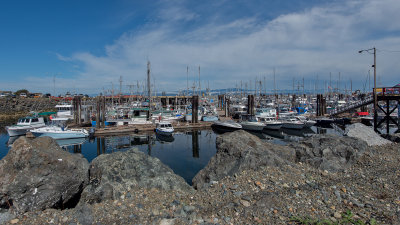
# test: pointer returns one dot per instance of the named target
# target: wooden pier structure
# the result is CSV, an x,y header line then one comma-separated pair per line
x,y
383,99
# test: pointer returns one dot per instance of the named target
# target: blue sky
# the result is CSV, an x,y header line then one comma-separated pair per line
x,y
89,44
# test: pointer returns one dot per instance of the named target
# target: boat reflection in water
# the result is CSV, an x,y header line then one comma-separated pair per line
x,y
186,153
305,132
165,138
70,142
11,140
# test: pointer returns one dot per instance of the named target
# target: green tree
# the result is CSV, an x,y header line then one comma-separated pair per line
x,y
17,93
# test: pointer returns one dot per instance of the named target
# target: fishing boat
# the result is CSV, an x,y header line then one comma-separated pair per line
x,y
270,122
164,128
249,122
24,125
228,125
57,132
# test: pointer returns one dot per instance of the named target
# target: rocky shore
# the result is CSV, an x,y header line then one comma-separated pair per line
x,y
326,178
13,108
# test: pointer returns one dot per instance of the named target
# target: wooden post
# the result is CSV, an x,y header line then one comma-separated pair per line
x,y
250,104
195,109
195,144
98,112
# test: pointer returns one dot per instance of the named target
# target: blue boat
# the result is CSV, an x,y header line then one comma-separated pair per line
x,y
210,118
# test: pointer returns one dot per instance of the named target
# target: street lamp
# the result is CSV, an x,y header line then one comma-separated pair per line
x,y
374,91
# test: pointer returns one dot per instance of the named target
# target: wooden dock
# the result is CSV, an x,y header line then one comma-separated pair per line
x,y
114,130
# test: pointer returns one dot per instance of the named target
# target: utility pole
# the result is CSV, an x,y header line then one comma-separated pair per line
x,y
274,84
374,91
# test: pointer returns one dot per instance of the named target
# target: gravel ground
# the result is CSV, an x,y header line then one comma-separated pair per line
x,y
369,190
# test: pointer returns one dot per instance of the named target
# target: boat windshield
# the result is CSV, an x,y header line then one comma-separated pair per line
x,y
23,120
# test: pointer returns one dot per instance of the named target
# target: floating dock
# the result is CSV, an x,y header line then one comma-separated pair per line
x,y
114,130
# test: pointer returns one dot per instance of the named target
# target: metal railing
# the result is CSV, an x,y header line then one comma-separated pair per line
x,y
367,100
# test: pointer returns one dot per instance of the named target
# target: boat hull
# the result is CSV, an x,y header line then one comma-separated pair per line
x,y
293,126
163,132
226,126
273,126
18,131
252,127
61,136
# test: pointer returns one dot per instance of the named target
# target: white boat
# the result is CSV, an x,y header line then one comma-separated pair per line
x,y
57,132
227,125
292,123
307,122
270,122
250,123
24,125
64,113
265,112
164,128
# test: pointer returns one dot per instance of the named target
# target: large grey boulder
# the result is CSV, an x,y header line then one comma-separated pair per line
x,y
365,133
113,175
37,174
239,151
329,152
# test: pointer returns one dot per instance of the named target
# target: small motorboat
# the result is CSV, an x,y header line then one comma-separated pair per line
x,y
164,128
249,122
24,125
228,125
307,121
57,132
270,122
292,123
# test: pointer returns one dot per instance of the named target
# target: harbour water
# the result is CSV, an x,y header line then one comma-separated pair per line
x,y
186,153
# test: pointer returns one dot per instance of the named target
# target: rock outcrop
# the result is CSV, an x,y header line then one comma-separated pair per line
x,y
238,151
329,152
37,174
113,175
365,133
12,105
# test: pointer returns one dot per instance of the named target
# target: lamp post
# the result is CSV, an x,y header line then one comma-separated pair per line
x,y
374,91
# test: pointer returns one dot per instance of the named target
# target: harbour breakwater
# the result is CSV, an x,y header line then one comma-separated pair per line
x,y
247,181
13,108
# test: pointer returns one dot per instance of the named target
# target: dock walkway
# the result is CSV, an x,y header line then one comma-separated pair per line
x,y
147,127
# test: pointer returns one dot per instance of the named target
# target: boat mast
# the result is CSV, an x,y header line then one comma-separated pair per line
x,y
148,83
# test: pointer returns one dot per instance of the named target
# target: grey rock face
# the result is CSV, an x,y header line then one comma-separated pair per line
x,y
10,105
365,133
329,152
238,151
37,174
114,174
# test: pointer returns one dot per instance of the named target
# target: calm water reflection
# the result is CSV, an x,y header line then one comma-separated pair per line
x,y
185,153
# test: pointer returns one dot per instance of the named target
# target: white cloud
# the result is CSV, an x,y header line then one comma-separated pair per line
x,y
301,44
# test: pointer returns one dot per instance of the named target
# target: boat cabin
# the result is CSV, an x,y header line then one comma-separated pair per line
x,y
30,120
